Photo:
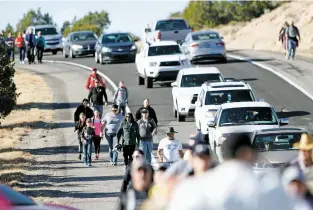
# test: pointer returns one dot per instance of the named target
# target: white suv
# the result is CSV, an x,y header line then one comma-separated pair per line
x,y
212,95
187,86
160,61
241,117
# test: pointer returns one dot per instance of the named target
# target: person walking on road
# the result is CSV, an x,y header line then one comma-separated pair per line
x,y
170,149
130,138
111,124
30,46
121,97
293,38
20,44
96,124
79,125
40,46
88,133
96,96
147,130
83,108
146,105
10,43
282,36
92,78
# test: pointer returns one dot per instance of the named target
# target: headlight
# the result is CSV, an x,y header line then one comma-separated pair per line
x,y
133,47
210,114
106,49
76,47
153,64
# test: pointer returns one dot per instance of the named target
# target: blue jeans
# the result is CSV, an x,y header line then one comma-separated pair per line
x,y
99,108
292,45
11,54
112,141
21,51
146,147
87,148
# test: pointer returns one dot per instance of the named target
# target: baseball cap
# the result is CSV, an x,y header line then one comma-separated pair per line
x,y
233,143
94,69
292,173
200,149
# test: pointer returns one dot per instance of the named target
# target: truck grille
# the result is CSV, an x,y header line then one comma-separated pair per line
x,y
170,63
86,47
52,43
194,98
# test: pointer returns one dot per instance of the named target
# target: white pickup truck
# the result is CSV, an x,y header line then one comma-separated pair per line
x,y
175,29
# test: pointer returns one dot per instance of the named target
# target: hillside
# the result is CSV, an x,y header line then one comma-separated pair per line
x,y
262,33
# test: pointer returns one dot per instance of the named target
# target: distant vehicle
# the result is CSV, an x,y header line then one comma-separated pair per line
x,y
240,117
204,45
79,43
115,47
51,35
18,201
160,62
187,86
173,29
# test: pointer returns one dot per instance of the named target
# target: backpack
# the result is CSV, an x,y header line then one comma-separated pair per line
x,y
40,43
292,31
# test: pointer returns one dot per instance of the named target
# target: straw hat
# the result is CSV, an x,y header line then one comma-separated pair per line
x,y
305,143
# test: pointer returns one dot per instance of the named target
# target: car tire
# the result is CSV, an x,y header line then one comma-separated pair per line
x,y
175,111
206,138
224,60
141,81
54,52
64,54
180,118
96,58
71,54
149,82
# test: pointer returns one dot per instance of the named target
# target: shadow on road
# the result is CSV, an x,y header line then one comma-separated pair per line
x,y
47,106
38,125
292,114
230,61
61,194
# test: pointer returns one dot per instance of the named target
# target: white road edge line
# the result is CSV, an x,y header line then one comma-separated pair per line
x,y
154,161
292,83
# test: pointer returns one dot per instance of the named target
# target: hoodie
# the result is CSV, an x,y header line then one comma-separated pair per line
x,y
121,96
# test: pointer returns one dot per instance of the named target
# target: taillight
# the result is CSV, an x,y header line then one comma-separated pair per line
x,y
220,44
159,35
194,45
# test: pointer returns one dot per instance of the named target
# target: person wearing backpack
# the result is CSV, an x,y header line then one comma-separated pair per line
x,y
147,130
40,46
121,97
293,38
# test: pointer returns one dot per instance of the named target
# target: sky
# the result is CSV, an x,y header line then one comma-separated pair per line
x,y
126,15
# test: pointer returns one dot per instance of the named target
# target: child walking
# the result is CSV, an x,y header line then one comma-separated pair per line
x,y
88,134
96,124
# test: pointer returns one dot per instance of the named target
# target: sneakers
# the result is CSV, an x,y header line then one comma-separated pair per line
x,y
79,156
106,104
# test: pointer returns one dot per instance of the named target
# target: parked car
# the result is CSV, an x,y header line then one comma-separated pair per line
x,y
115,47
204,45
52,36
79,43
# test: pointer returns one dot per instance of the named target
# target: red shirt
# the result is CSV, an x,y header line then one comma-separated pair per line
x,y
91,81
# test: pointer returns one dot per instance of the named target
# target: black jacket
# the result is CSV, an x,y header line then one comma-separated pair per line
x,y
151,114
87,111
97,94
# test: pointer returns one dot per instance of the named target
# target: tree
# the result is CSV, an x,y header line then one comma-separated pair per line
x,y
66,24
33,17
8,95
175,14
8,29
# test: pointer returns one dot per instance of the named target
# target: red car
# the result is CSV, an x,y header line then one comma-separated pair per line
x,y
13,200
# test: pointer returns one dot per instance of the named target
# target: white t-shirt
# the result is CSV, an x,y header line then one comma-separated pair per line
x,y
170,149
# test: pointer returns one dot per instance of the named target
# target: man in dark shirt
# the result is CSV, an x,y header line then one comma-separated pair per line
x,y
96,95
30,40
152,114
83,108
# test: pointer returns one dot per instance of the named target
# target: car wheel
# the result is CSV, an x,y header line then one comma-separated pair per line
x,y
224,60
175,111
180,118
54,52
64,54
71,54
141,81
96,58
149,82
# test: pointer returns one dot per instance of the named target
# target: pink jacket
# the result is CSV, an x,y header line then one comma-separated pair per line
x,y
96,124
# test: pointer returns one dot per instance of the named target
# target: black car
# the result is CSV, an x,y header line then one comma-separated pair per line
x,y
79,43
115,47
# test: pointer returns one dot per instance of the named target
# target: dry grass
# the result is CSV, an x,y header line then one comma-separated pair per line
x,y
20,122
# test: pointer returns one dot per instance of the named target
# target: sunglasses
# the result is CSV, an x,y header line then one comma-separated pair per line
x,y
114,110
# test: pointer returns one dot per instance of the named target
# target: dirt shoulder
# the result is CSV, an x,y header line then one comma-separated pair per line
x,y
26,117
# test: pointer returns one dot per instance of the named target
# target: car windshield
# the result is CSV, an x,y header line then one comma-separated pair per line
x,y
170,25
205,36
279,141
116,38
47,31
224,96
83,37
196,80
164,50
248,116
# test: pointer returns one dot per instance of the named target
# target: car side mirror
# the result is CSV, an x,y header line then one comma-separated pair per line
x,y
261,99
283,121
198,103
174,84
211,124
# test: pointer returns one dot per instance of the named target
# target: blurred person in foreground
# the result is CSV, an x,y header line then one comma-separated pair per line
x,y
232,185
202,159
142,176
294,182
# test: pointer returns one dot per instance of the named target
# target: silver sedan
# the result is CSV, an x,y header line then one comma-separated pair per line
x,y
203,46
